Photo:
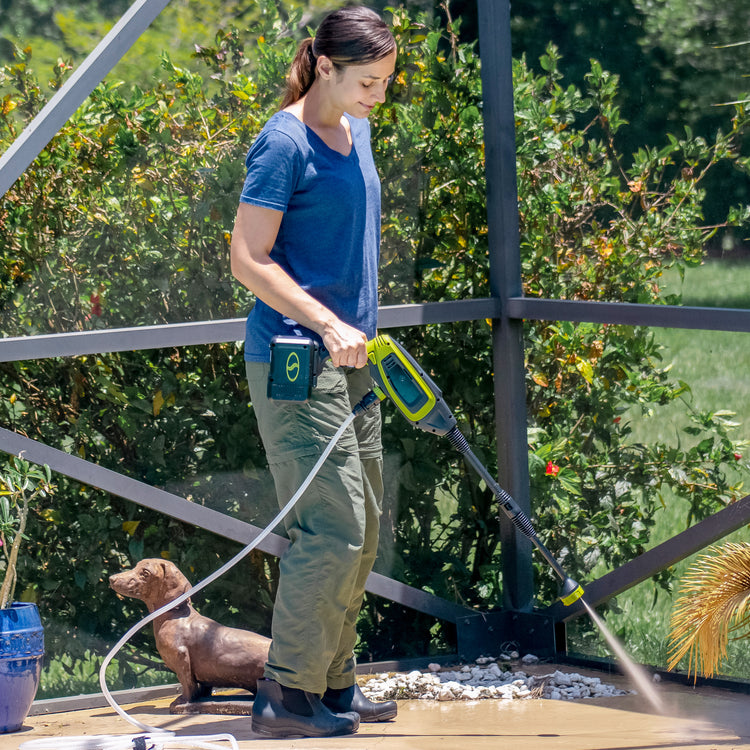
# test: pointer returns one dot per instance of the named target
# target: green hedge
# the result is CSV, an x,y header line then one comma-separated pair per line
x,y
125,219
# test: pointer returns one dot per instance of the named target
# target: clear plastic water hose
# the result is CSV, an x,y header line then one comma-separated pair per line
x,y
155,737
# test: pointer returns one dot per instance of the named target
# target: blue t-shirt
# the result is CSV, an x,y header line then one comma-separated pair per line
x,y
329,238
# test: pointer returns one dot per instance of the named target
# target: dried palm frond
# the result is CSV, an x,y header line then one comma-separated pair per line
x,y
714,602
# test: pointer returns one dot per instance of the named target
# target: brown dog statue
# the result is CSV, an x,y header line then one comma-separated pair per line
x,y
203,653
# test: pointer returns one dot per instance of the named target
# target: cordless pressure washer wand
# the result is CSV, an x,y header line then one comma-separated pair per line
x,y
570,591
417,397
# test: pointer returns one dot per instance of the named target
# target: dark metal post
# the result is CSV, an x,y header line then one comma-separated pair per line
x,y
505,282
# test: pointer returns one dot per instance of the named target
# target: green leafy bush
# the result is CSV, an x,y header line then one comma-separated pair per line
x,y
21,485
125,219
600,225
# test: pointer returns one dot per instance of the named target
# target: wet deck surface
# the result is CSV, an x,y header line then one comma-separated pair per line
x,y
704,718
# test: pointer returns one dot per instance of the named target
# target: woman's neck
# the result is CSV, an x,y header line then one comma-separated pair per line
x,y
327,122
315,110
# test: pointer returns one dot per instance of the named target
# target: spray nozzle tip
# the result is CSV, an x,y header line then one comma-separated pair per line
x,y
571,592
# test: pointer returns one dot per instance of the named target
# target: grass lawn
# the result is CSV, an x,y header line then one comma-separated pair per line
x,y
716,366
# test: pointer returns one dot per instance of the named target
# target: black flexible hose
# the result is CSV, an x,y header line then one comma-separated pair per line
x,y
511,508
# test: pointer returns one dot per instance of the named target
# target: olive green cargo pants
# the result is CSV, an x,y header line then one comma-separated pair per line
x,y
333,528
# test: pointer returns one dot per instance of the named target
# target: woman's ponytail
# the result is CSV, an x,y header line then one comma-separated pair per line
x,y
301,74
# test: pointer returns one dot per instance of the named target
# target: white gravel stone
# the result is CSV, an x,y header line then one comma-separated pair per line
x,y
483,680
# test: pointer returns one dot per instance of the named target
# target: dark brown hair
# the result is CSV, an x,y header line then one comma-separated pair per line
x,y
353,35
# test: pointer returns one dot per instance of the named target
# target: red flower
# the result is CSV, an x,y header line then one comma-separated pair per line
x,y
96,305
616,420
552,469
737,456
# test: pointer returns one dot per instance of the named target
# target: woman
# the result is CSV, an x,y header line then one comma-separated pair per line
x,y
306,243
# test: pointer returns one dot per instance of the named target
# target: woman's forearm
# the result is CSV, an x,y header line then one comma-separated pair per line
x,y
253,237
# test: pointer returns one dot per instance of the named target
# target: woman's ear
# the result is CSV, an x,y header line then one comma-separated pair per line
x,y
324,67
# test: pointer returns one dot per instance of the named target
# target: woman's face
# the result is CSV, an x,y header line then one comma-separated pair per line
x,y
356,89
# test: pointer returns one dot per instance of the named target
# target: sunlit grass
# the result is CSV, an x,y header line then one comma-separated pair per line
x,y
716,366
64,676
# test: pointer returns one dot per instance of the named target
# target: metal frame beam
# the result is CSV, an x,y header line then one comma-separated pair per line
x,y
664,555
216,331
87,76
627,313
219,523
506,283
395,316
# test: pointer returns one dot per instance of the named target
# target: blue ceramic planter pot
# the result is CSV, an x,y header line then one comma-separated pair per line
x,y
21,652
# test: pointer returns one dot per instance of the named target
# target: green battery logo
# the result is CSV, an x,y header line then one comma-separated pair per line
x,y
292,367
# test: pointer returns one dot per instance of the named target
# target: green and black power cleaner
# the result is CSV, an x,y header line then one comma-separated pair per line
x,y
296,361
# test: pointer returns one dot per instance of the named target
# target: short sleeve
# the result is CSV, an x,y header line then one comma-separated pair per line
x,y
272,171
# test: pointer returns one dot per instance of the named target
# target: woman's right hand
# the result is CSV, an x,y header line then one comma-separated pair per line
x,y
346,345
255,231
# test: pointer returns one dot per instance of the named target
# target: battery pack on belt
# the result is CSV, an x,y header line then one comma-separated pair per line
x,y
295,366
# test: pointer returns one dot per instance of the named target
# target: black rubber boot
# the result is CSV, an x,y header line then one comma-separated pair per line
x,y
352,699
280,711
